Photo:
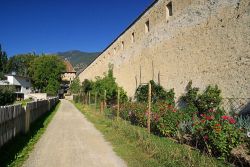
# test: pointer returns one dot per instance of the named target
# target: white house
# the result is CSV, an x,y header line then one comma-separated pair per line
x,y
22,84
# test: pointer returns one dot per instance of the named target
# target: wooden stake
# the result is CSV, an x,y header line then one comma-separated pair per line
x,y
95,100
118,103
89,99
149,106
105,99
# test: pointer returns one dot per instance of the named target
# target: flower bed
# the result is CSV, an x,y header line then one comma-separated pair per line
x,y
202,123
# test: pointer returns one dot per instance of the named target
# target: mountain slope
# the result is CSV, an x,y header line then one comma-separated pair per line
x,y
79,60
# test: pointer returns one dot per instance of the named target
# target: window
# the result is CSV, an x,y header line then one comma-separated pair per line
x,y
147,26
122,45
169,9
133,37
114,50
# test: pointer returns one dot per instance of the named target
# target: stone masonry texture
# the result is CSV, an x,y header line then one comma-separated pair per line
x,y
206,41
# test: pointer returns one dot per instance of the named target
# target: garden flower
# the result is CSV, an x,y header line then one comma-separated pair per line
x,y
248,134
205,137
209,118
228,118
232,120
224,117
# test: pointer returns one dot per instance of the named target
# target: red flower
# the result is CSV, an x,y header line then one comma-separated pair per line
x,y
232,120
203,121
174,110
209,118
205,137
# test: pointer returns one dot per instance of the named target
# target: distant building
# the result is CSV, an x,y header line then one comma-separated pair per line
x,y
69,75
22,85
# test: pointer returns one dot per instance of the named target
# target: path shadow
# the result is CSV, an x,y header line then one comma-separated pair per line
x,y
9,151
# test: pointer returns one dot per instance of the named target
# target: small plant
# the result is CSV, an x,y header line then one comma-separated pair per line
x,y
243,123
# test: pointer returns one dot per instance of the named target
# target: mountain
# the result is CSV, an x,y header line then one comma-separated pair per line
x,y
79,60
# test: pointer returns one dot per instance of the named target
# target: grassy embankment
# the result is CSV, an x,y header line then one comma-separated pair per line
x,y
15,152
138,148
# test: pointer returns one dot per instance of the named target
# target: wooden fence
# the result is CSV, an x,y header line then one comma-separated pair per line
x,y
15,119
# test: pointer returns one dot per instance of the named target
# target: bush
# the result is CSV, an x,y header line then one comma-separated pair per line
x,y
135,113
158,93
7,95
107,84
216,133
210,99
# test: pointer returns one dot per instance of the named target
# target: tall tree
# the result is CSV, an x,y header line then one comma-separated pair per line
x,y
75,86
21,63
46,73
3,62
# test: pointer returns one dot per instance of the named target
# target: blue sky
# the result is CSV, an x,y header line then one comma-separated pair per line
x,y
49,26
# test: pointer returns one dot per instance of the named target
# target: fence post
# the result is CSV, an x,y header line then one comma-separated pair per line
x,y
118,103
89,99
105,98
27,119
149,106
95,100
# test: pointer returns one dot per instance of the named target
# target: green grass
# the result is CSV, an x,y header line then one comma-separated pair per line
x,y
140,149
23,102
15,152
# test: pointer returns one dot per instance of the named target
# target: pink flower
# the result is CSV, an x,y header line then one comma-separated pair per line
x,y
205,137
232,120
209,118
224,117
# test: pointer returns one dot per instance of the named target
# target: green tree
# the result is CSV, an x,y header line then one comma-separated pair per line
x,y
3,62
108,84
46,73
75,86
87,85
21,64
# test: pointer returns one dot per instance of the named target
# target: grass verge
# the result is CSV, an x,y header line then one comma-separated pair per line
x,y
15,152
140,149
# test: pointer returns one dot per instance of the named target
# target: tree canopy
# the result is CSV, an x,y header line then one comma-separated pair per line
x,y
46,73
75,86
21,64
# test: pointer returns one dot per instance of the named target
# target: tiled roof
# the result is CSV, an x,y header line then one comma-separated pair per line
x,y
69,67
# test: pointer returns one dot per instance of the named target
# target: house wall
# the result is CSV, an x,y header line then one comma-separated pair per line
x,y
68,76
206,41
25,83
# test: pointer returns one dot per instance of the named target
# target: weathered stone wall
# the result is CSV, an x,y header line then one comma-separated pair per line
x,y
206,41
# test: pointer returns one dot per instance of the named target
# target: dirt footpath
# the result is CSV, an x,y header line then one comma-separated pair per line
x,y
72,141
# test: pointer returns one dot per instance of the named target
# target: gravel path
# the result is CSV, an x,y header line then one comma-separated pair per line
x,y
71,141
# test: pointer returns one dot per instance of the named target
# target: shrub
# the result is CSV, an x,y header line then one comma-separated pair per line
x,y
7,95
108,84
135,113
158,93
210,99
216,133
